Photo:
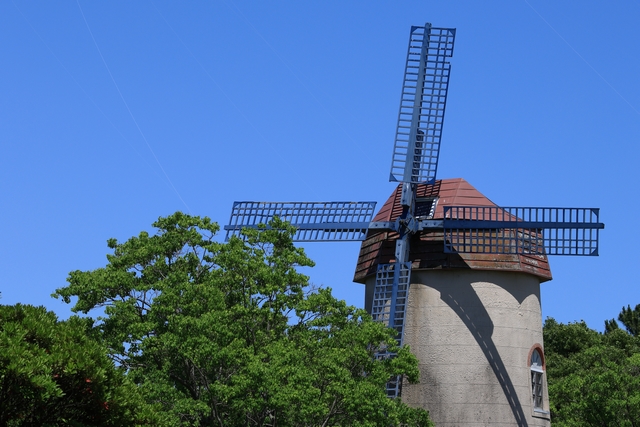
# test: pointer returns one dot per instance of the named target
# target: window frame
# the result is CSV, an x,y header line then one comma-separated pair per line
x,y
536,369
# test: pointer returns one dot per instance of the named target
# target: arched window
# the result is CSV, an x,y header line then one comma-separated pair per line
x,y
537,371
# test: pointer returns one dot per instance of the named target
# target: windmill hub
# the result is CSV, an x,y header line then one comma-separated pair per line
x,y
407,225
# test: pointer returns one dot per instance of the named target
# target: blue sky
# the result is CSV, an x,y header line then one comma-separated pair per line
x,y
204,103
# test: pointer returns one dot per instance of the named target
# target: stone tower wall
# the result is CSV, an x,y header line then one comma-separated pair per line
x,y
473,332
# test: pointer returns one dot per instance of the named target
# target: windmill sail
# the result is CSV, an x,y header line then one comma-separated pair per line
x,y
390,299
422,105
315,221
525,231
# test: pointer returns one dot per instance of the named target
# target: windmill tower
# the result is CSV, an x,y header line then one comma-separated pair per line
x,y
457,276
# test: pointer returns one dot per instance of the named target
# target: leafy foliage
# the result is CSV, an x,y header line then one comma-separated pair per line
x,y
232,334
629,318
55,373
594,378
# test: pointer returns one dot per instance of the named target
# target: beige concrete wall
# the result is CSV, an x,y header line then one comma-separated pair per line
x,y
472,332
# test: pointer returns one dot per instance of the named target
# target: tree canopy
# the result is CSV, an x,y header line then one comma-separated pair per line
x,y
57,373
594,378
232,334
630,318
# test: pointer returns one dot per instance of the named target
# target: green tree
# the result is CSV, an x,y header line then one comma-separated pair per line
x,y
629,318
594,378
233,335
55,373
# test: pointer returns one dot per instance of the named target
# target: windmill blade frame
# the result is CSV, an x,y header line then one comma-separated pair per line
x,y
522,230
422,105
314,221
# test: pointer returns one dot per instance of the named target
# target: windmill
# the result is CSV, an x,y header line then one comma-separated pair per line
x,y
484,229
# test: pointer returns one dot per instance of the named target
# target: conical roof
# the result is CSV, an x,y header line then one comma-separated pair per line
x,y
427,247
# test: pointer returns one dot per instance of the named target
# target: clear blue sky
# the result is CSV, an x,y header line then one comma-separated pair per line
x,y
227,100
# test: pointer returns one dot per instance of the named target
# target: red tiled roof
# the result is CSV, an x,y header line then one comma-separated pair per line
x,y
427,247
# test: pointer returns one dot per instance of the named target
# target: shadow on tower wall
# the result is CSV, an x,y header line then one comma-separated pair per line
x,y
481,327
